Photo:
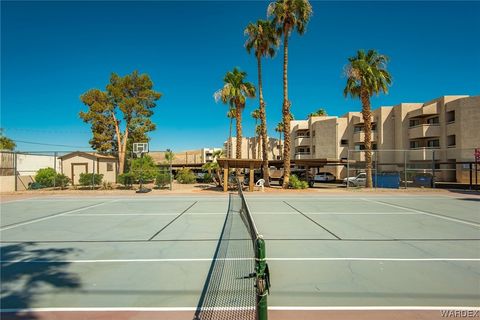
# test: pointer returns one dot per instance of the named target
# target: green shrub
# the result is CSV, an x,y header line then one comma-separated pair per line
x,y
208,178
296,183
163,179
106,185
86,179
46,177
185,176
126,179
144,168
61,180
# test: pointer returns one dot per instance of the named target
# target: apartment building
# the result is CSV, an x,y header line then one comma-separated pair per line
x,y
442,133
252,148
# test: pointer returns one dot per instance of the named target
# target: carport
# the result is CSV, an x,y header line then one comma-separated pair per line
x,y
250,164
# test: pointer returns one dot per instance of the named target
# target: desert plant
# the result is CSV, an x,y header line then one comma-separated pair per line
x,y
162,179
46,177
144,168
296,183
208,178
185,176
90,179
126,179
106,185
61,180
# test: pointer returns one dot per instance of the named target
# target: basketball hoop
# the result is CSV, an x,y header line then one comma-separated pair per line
x,y
140,148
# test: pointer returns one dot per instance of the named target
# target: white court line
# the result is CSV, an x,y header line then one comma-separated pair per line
x,y
273,308
54,216
425,213
242,259
141,214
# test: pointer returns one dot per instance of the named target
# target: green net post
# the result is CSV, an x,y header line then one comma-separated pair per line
x,y
262,280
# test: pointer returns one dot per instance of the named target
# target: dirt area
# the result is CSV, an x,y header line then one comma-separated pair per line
x,y
211,189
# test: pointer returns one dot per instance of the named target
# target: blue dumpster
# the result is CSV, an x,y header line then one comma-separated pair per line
x,y
423,180
386,180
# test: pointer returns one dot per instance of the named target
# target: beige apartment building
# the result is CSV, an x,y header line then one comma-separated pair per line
x,y
445,129
252,148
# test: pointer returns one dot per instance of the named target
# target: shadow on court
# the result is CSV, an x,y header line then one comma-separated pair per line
x,y
50,272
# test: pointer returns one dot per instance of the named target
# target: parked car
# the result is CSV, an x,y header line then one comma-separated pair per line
x,y
324,177
357,181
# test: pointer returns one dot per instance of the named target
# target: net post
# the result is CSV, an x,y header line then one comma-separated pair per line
x,y
262,280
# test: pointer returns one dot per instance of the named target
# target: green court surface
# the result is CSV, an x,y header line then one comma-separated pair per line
x,y
323,251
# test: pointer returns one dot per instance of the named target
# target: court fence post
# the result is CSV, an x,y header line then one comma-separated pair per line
x,y
262,280
405,167
348,166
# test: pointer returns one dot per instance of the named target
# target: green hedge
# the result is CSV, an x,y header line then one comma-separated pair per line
x,y
87,179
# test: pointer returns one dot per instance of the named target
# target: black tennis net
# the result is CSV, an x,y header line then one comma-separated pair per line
x,y
231,290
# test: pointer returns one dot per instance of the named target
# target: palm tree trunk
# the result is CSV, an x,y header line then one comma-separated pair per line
x,y
238,117
229,143
286,115
263,123
367,121
254,147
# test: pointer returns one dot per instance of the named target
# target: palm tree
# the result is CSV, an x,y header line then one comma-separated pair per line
x,y
319,113
258,132
235,92
288,15
367,75
255,115
279,129
231,116
263,40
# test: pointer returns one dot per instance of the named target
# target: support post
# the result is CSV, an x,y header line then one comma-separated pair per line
x,y
225,178
348,166
433,169
262,280
15,172
251,181
405,168
470,174
54,167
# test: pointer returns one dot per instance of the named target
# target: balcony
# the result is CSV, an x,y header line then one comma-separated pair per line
x,y
302,155
359,136
424,131
423,154
302,141
357,156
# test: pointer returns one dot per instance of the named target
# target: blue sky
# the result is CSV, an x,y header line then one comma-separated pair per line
x,y
52,52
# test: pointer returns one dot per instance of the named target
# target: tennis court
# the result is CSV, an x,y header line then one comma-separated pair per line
x,y
332,256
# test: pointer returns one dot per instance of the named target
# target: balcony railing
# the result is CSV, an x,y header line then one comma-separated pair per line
x,y
302,155
302,141
424,131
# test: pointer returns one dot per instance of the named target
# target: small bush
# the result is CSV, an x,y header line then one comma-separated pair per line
x,y
208,178
48,177
163,179
186,176
87,179
61,180
45,177
296,183
126,179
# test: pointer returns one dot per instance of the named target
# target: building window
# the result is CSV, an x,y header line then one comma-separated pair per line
x,y
434,120
451,140
414,122
374,146
451,116
359,147
344,142
109,166
313,149
358,129
433,143
374,127
414,144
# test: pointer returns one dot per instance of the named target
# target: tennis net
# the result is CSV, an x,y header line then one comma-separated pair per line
x,y
237,282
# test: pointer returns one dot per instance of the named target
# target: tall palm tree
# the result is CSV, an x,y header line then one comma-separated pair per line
x,y
367,75
235,92
263,40
231,116
319,113
288,15
255,115
258,132
279,129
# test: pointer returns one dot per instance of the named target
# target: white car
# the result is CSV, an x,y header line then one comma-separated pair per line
x,y
324,177
357,181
